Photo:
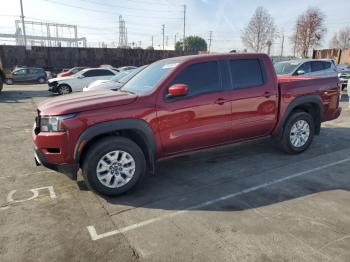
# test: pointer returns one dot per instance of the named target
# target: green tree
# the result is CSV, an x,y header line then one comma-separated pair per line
x,y
150,48
192,43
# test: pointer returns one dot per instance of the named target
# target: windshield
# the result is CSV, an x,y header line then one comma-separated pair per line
x,y
285,68
147,79
119,76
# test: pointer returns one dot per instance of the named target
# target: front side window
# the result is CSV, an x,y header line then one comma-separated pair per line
x,y
246,73
97,72
316,66
326,65
285,68
200,78
306,67
21,72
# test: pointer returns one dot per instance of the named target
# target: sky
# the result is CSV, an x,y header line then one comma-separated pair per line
x,y
97,20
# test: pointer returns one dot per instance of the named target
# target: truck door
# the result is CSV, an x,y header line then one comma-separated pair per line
x,y
200,119
254,99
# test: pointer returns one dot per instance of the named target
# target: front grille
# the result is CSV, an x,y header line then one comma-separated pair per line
x,y
52,83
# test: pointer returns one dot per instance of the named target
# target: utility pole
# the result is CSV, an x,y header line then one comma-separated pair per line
x,y
152,41
166,40
210,38
282,45
24,27
175,41
163,27
269,44
184,33
140,43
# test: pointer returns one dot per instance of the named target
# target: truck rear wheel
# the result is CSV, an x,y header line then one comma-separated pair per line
x,y
113,166
298,133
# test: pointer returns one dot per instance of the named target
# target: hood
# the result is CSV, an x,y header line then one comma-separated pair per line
x,y
61,78
84,101
64,74
100,84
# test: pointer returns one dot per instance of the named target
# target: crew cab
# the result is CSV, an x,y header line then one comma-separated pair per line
x,y
179,105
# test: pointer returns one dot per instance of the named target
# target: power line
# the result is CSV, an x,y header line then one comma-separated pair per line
x,y
112,13
131,8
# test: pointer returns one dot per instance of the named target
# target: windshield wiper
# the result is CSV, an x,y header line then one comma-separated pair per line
x,y
127,91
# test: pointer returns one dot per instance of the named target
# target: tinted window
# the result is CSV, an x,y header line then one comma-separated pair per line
x,y
316,66
100,72
326,65
246,73
306,67
201,78
21,72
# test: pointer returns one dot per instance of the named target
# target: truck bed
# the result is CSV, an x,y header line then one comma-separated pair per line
x,y
327,88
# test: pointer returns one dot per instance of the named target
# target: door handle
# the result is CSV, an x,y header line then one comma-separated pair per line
x,y
267,94
221,101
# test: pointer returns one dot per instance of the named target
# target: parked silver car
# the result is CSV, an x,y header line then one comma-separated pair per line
x,y
307,67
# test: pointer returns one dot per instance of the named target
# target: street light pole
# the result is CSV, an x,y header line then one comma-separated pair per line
x,y
23,26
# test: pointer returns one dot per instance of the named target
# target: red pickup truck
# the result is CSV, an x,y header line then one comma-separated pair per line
x,y
179,105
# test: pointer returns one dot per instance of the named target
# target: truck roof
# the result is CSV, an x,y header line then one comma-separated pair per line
x,y
180,59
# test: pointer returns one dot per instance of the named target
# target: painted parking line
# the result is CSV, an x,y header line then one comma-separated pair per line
x,y
94,236
27,174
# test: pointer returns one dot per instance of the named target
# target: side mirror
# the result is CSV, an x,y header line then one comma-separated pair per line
x,y
177,90
81,77
300,72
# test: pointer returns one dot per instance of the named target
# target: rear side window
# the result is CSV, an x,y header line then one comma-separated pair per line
x,y
92,73
201,78
246,73
316,66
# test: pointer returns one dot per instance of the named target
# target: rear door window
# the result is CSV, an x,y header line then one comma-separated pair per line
x,y
200,78
246,73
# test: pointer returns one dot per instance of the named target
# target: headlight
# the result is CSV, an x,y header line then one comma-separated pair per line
x,y
339,74
53,123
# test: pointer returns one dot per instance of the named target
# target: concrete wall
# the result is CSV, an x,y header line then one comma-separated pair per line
x,y
340,56
61,57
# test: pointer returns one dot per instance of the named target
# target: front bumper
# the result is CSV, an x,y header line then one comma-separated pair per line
x,y
53,87
69,170
51,150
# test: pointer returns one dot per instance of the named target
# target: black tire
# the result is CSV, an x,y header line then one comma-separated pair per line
x,y
62,89
41,80
1,84
100,149
285,140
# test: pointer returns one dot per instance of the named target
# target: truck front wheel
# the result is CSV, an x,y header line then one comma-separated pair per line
x,y
113,166
298,133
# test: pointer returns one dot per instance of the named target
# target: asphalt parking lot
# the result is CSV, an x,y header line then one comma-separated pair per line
x,y
247,202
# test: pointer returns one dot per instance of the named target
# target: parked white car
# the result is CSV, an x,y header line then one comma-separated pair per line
x,y
307,67
76,83
115,82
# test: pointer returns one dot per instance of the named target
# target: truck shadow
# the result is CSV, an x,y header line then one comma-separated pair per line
x,y
186,181
20,96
